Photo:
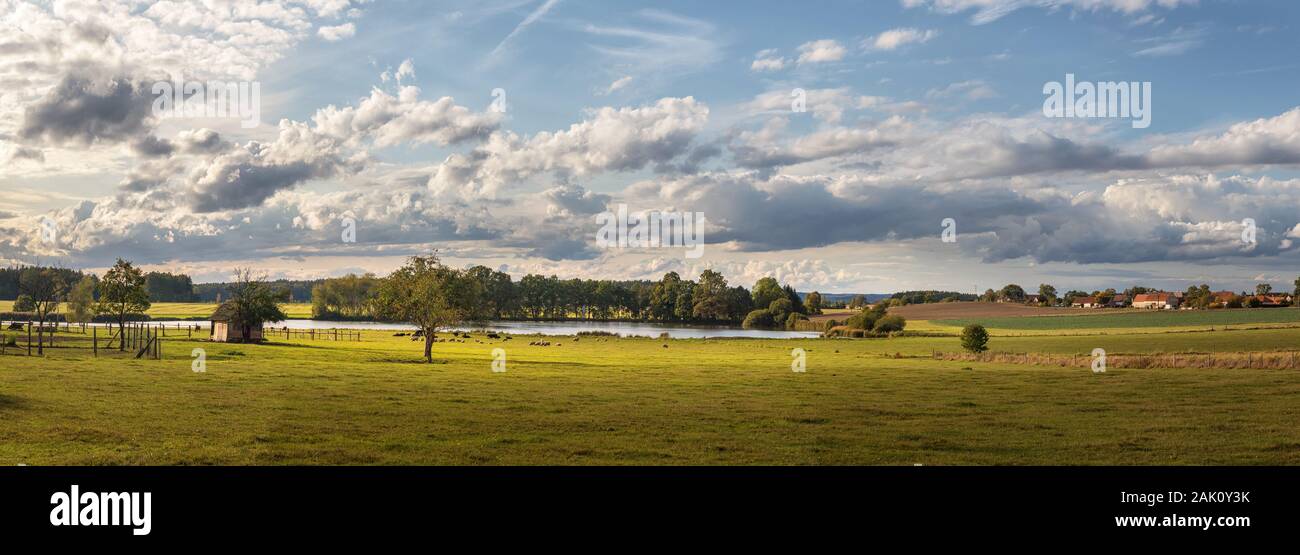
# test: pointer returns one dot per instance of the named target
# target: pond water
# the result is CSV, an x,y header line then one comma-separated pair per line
x,y
640,329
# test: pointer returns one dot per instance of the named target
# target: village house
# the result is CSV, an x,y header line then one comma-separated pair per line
x,y
1222,298
1118,301
1273,301
1159,301
1085,302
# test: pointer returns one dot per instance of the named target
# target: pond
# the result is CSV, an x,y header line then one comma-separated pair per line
x,y
640,329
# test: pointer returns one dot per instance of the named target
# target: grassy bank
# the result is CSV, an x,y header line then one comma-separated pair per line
x,y
633,401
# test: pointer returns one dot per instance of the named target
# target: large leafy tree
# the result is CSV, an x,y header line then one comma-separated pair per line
x,y
122,292
81,300
767,290
1048,293
429,295
253,301
710,297
45,288
814,303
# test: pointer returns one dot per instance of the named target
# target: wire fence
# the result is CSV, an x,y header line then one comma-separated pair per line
x,y
140,340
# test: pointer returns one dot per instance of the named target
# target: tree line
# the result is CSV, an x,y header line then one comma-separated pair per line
x,y
706,300
1196,296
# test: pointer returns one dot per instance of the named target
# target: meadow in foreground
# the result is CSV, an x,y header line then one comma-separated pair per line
x,y
634,401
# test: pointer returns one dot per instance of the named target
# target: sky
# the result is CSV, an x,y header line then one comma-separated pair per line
x,y
839,146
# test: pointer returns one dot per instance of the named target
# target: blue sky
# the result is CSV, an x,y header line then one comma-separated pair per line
x,y
918,110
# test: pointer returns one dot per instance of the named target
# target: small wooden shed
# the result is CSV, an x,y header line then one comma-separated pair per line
x,y
225,330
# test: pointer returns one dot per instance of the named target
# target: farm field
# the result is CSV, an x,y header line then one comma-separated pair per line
x,y
635,401
1136,318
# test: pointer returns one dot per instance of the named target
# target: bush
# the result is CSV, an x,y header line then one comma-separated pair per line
x,y
889,323
24,303
792,322
10,340
975,338
761,318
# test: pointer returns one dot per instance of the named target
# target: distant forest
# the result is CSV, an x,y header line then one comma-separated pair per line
x,y
162,286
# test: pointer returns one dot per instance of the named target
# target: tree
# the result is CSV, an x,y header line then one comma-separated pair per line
x,y
859,301
121,293
45,287
813,303
709,298
781,309
253,302
1297,291
81,300
761,318
889,323
429,295
796,302
1012,292
975,338
24,304
1263,289
1048,293
989,296
767,290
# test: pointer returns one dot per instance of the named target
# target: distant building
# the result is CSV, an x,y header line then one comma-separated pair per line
x,y
1222,298
1033,299
1273,301
1159,301
1119,301
224,329
1085,302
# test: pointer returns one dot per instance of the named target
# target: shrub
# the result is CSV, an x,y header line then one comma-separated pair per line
x,y
975,338
889,323
761,318
792,321
10,340
24,303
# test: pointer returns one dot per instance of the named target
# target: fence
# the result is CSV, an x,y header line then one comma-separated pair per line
x,y
332,334
134,340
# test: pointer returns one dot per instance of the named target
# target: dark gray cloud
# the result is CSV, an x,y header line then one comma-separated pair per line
x,y
83,111
245,184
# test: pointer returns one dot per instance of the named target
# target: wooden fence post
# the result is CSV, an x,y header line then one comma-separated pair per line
x,y
29,339
94,341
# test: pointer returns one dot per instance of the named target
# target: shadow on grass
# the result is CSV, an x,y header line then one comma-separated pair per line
x,y
10,402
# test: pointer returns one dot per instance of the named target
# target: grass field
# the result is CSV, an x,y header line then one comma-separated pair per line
x,y
633,401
